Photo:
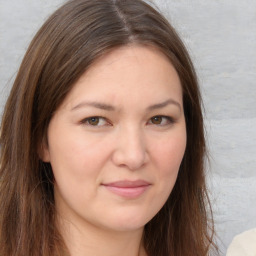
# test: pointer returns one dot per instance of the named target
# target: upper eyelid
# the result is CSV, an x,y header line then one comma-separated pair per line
x,y
92,116
164,116
87,118
170,118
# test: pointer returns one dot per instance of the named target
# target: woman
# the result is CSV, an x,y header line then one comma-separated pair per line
x,y
102,140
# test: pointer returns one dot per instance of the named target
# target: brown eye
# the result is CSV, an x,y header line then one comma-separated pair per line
x,y
161,120
93,121
96,121
156,120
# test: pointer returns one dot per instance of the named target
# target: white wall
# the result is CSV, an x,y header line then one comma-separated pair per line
x,y
221,36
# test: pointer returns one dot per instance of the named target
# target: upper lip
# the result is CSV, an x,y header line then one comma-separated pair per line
x,y
127,184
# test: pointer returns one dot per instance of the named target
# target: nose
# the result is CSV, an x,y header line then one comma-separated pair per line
x,y
130,150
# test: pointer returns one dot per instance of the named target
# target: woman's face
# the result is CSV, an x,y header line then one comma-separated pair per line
x,y
116,143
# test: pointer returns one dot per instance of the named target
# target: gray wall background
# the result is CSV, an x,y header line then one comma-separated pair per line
x,y
221,37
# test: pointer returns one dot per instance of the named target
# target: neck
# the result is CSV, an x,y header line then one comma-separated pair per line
x,y
87,239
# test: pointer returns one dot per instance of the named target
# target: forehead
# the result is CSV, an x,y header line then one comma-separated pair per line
x,y
131,72
133,56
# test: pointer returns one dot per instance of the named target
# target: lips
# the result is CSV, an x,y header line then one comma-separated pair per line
x,y
127,188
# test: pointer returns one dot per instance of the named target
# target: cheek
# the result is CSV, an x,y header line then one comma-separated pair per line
x,y
169,153
168,157
77,163
77,154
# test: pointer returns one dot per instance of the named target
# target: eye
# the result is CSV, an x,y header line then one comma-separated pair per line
x,y
161,120
95,121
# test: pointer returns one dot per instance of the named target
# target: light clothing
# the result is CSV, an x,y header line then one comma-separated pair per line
x,y
243,244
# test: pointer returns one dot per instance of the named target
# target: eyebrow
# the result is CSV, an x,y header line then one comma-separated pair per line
x,y
95,105
164,104
109,107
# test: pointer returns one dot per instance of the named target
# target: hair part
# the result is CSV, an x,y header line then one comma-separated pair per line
x,y
69,42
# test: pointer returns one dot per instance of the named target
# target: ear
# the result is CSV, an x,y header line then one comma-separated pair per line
x,y
43,151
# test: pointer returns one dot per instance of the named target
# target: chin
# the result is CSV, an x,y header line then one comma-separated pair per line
x,y
129,222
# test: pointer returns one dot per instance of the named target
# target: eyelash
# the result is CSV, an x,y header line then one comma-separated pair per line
x,y
88,119
168,121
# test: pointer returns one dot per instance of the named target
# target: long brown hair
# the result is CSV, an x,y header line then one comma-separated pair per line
x,y
63,49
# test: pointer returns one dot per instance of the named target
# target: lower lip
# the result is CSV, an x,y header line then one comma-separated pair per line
x,y
130,192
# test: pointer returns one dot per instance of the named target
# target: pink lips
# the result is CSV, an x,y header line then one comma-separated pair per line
x,y
128,189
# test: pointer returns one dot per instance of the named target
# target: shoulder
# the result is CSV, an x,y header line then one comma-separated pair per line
x,y
243,244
